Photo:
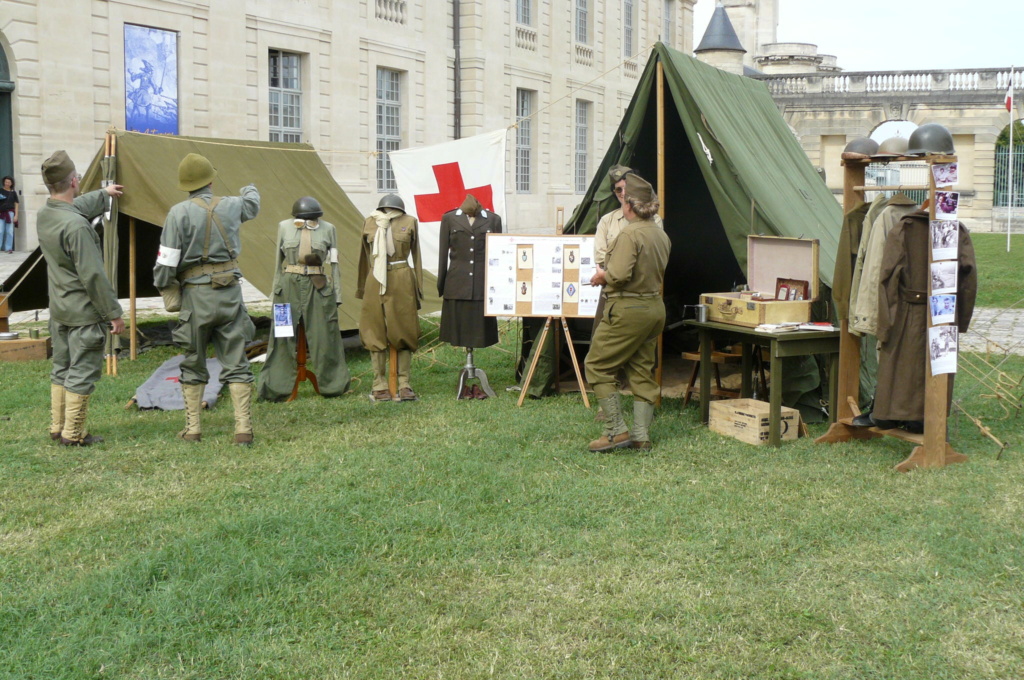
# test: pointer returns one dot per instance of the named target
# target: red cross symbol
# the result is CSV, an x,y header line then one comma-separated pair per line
x,y
451,191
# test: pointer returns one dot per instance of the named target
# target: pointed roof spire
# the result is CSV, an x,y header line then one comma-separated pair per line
x,y
720,34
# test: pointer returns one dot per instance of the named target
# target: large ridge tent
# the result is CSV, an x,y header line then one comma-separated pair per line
x,y
732,168
147,166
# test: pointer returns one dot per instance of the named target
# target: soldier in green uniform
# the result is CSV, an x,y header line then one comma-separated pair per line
x,y
198,255
634,316
82,301
306,277
391,291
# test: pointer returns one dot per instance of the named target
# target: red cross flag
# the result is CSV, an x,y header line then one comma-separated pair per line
x,y
435,179
1009,96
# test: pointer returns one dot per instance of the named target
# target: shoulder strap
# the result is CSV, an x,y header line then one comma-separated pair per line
x,y
211,218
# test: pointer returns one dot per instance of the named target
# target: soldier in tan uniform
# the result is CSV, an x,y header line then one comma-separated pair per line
x,y
634,316
391,291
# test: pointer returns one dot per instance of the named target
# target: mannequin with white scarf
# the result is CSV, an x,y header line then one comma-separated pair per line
x,y
391,289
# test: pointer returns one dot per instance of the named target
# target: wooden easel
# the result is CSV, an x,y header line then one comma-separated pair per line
x,y
933,449
301,372
537,353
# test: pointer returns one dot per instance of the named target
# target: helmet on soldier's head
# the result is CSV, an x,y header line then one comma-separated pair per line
x,y
391,201
307,208
863,145
930,138
195,172
894,146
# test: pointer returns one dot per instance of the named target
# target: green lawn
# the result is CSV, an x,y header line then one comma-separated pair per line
x,y
474,539
1000,282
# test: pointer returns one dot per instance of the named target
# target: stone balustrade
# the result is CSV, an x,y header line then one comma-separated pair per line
x,y
526,38
860,83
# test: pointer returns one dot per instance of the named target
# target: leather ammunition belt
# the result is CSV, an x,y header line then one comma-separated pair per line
x,y
301,269
401,264
626,293
204,269
914,297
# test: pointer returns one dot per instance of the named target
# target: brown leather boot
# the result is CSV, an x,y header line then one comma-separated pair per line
x,y
241,399
56,410
193,395
76,408
610,442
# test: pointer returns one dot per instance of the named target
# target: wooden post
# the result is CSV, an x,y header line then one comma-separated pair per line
x,y
393,370
133,341
658,371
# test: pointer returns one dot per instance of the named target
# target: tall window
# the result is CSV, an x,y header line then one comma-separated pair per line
x,y
524,108
389,125
582,144
285,97
627,27
523,12
582,19
668,22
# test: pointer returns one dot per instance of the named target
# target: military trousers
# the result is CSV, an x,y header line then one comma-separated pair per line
x,y
77,356
317,311
627,337
218,316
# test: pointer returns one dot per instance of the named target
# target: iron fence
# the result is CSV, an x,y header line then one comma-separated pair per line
x,y
1003,161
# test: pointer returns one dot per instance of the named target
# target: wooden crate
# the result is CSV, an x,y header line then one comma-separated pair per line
x,y
769,258
747,420
27,349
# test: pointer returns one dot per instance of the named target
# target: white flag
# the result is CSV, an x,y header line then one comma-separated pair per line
x,y
435,179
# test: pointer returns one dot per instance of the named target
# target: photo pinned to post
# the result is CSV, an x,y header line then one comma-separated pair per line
x,y
943,277
943,309
945,239
942,349
946,204
283,321
945,174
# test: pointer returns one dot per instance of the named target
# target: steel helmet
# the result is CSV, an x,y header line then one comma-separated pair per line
x,y
894,146
863,145
195,172
391,201
307,208
930,138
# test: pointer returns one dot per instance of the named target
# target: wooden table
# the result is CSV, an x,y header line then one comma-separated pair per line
x,y
780,345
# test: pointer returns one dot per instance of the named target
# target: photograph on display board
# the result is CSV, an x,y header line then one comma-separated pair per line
x,y
572,258
150,80
945,239
283,321
945,174
946,204
524,260
943,277
943,309
942,349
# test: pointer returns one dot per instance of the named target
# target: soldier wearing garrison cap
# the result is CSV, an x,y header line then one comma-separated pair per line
x,y
82,302
634,316
197,272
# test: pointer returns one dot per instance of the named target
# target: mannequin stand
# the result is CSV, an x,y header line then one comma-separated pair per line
x,y
301,372
471,372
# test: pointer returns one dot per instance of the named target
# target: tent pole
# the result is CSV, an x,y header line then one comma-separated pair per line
x,y
661,195
110,338
134,339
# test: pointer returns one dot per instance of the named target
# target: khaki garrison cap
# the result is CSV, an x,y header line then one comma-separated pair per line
x,y
57,167
639,188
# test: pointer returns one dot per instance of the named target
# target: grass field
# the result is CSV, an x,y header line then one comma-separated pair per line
x,y
999,272
474,539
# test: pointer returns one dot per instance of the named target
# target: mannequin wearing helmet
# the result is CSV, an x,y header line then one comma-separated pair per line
x,y
390,284
307,278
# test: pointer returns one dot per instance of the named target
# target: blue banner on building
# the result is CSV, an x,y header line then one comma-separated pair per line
x,y
150,80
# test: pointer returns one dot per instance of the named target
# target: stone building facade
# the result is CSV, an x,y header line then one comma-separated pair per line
x,y
370,74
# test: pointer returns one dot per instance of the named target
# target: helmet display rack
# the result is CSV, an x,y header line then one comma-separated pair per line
x,y
933,448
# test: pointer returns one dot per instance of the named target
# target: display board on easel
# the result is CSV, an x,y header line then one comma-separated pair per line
x,y
540,276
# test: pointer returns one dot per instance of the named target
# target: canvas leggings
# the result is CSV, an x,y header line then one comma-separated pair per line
x,y
627,337
77,356
218,316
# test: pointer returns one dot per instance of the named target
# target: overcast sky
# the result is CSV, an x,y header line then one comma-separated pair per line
x,y
893,35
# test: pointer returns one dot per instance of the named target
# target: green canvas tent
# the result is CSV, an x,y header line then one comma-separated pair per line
x,y
732,168
147,166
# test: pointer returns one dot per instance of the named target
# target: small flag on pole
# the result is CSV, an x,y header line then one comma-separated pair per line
x,y
1009,96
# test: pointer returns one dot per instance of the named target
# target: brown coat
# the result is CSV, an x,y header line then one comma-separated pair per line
x,y
391,318
903,315
846,258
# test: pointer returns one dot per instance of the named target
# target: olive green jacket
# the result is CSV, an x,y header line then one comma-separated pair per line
x,y
80,293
